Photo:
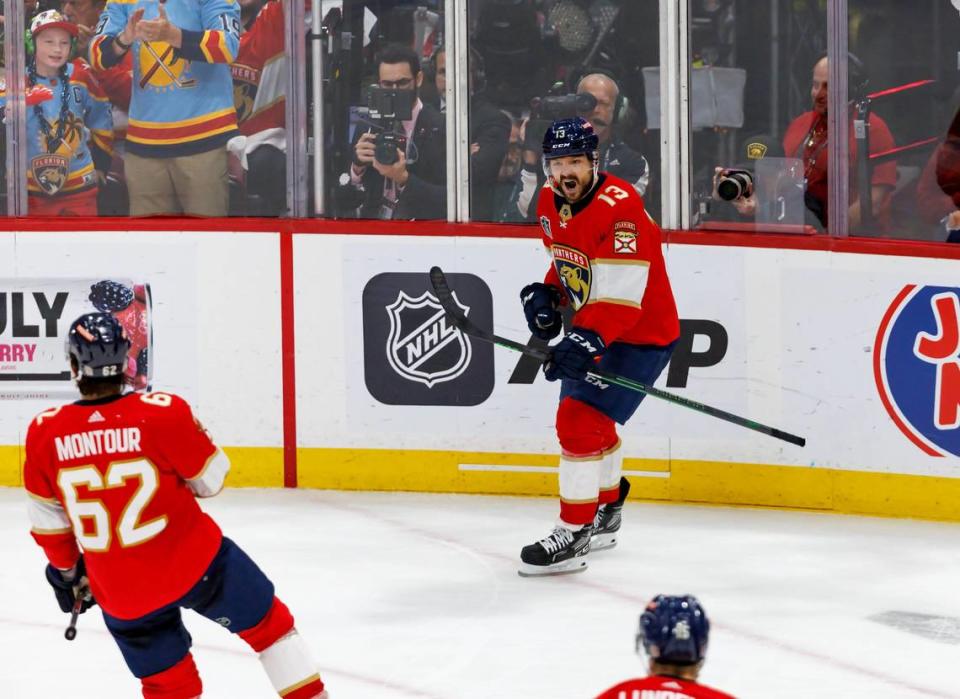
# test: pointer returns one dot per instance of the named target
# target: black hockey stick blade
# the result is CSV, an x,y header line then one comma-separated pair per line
x,y
439,282
460,321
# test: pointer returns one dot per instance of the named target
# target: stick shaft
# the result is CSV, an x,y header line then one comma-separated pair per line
x,y
450,307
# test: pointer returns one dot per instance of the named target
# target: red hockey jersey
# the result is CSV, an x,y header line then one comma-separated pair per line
x,y
608,262
662,687
260,73
120,476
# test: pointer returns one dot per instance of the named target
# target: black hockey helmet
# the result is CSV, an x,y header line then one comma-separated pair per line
x,y
99,345
674,630
570,137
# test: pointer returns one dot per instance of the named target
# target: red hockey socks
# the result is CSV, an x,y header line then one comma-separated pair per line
x,y
284,655
182,681
586,436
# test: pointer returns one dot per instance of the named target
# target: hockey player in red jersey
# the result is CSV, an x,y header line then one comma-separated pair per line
x,y
607,265
113,480
673,632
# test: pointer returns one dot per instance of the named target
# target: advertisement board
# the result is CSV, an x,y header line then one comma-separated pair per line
x,y
788,338
35,315
203,311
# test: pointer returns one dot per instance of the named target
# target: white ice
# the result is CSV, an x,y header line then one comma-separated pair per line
x,y
416,596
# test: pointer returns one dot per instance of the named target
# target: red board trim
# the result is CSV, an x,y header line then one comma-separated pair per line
x,y
749,239
288,361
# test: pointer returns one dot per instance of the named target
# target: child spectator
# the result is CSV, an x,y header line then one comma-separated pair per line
x,y
69,128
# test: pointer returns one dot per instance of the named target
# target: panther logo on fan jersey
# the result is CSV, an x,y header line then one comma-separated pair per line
x,y
50,172
422,345
574,270
246,80
916,362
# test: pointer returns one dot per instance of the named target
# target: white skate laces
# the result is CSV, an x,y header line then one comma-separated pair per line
x,y
558,538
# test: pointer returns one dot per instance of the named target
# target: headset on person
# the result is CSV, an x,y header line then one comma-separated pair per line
x,y
858,80
621,106
476,66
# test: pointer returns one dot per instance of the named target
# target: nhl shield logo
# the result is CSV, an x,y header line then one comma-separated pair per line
x,y
422,345
916,362
574,270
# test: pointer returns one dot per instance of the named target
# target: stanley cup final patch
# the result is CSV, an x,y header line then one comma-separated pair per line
x,y
625,237
545,223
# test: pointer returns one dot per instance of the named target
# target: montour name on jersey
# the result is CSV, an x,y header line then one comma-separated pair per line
x,y
96,442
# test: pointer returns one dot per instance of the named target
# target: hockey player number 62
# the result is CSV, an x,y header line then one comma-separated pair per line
x,y
130,530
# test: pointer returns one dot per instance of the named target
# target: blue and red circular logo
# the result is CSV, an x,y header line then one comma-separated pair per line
x,y
916,364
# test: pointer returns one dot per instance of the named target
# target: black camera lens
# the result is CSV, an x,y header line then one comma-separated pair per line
x,y
385,149
734,185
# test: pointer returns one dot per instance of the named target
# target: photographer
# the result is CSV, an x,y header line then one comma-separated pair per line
x,y
599,100
400,165
806,140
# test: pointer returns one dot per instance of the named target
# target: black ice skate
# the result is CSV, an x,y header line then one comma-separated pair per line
x,y
564,551
606,525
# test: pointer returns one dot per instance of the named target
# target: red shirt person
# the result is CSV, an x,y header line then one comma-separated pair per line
x,y
117,475
673,632
806,139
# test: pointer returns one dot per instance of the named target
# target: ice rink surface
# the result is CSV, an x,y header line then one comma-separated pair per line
x,y
407,596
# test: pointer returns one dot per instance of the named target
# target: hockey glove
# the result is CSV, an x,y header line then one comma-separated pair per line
x,y
67,591
540,302
574,355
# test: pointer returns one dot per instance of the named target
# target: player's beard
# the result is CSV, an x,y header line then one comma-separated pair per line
x,y
573,188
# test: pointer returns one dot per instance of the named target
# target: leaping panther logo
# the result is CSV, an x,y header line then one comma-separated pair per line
x,y
574,270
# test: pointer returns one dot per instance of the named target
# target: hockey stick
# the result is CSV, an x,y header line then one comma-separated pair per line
x,y
71,632
461,322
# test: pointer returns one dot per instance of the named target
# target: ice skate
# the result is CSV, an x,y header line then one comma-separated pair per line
x,y
606,524
564,551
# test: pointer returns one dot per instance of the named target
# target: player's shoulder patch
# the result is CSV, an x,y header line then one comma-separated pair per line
x,y
545,224
625,237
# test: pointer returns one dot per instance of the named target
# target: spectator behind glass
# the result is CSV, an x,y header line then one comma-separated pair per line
x,y
489,134
413,187
117,83
29,9
259,154
181,112
806,139
69,130
616,157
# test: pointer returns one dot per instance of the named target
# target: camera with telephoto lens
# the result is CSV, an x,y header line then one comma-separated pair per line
x,y
389,107
553,107
733,185
556,104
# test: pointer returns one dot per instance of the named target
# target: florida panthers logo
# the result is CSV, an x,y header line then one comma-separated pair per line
x,y
244,95
422,346
245,83
574,270
50,172
916,360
